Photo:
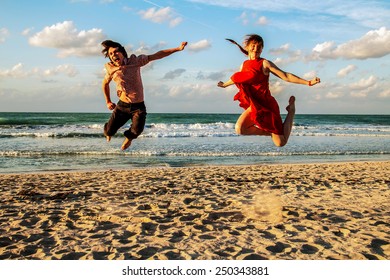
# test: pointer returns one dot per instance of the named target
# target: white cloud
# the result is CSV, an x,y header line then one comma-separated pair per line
x,y
3,34
68,40
333,95
199,46
145,49
16,71
384,93
373,44
176,21
310,75
161,15
244,18
345,71
281,50
323,47
192,90
27,31
292,56
277,87
19,71
68,70
365,87
364,83
262,21
267,5
371,88
363,13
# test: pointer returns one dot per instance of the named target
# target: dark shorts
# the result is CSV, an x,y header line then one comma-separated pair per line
x,y
122,113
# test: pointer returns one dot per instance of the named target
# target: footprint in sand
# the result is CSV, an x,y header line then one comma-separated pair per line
x,y
266,206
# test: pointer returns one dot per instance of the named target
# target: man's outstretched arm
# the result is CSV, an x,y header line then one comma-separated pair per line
x,y
167,52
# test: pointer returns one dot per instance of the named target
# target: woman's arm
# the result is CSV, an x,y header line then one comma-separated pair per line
x,y
229,82
225,84
269,66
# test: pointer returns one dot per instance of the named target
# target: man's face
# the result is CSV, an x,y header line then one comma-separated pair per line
x,y
115,56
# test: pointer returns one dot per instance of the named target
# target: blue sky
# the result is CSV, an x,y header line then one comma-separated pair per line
x,y
50,56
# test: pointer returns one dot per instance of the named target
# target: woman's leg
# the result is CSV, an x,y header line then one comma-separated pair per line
x,y
281,140
245,126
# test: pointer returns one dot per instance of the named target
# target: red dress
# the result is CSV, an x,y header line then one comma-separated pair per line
x,y
254,92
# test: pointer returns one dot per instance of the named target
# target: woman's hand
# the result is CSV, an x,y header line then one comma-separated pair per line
x,y
221,84
226,84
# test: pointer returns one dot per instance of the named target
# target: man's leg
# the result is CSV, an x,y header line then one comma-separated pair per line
x,y
116,121
136,128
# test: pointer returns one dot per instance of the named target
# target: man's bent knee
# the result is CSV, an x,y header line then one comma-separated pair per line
x,y
133,133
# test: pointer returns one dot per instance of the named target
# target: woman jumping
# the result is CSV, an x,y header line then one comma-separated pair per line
x,y
262,114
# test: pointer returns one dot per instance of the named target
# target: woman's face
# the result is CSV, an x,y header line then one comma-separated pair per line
x,y
254,49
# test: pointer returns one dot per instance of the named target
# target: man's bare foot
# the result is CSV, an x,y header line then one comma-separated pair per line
x,y
126,144
291,105
108,138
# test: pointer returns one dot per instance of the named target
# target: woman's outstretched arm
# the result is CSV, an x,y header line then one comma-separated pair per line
x,y
269,66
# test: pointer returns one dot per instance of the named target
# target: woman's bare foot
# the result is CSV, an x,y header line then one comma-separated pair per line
x,y
291,105
126,144
108,138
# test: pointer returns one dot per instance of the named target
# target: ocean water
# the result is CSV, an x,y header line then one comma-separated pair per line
x,y
35,142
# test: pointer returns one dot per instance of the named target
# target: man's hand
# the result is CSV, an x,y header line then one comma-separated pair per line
x,y
111,106
314,81
182,46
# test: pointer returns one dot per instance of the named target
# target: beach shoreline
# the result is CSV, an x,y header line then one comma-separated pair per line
x,y
200,165
335,210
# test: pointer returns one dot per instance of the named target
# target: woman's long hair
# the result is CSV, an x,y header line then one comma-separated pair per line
x,y
250,38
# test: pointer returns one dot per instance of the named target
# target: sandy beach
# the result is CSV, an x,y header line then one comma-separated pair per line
x,y
276,212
